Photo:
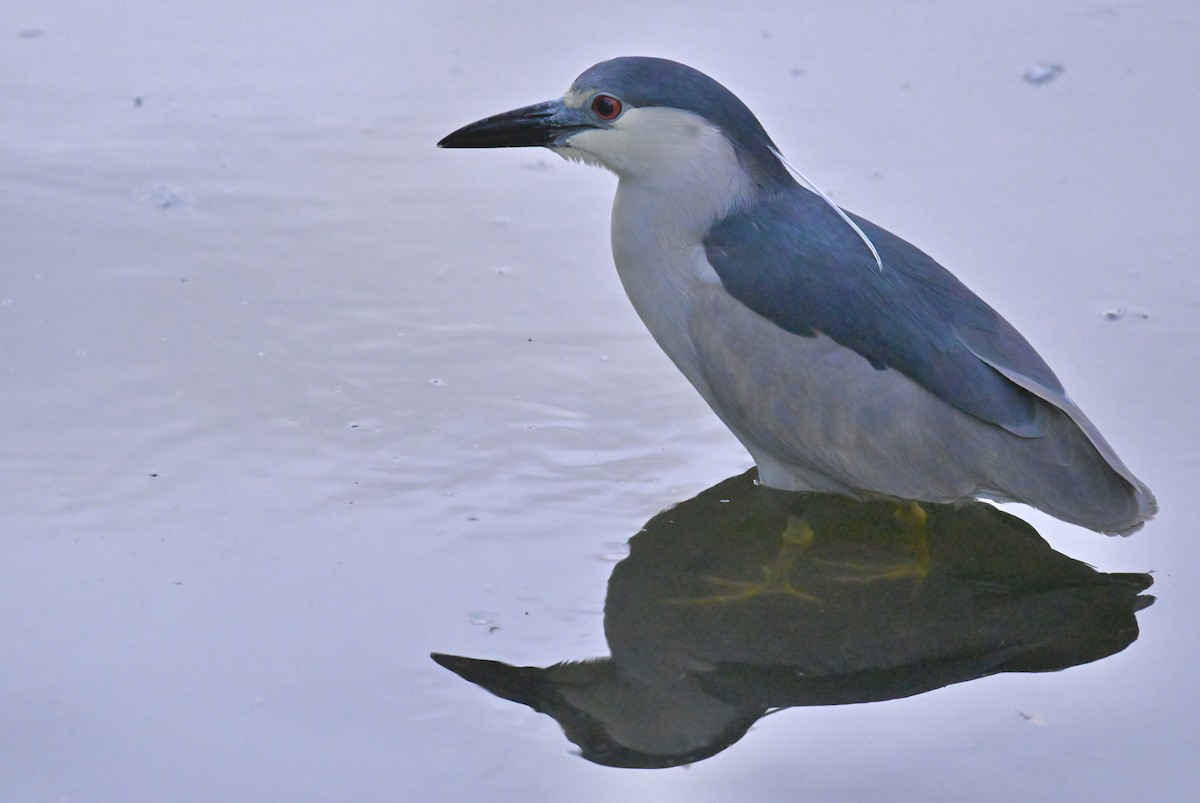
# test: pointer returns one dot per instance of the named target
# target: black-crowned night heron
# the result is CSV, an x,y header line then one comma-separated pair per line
x,y
844,358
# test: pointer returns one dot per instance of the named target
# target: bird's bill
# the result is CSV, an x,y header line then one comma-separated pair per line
x,y
522,684
542,124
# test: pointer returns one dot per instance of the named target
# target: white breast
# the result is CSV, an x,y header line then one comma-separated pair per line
x,y
678,176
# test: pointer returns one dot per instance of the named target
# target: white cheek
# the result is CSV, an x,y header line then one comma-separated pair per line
x,y
677,172
651,142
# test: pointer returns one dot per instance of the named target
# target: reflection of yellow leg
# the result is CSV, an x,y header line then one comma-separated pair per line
x,y
912,514
776,575
914,567
798,533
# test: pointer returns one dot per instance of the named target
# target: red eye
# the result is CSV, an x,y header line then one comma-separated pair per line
x,y
606,107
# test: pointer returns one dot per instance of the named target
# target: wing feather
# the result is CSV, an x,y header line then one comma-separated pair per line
x,y
793,261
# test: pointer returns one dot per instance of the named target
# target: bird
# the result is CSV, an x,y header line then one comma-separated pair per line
x,y
844,358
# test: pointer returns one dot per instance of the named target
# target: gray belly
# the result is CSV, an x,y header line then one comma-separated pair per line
x,y
817,416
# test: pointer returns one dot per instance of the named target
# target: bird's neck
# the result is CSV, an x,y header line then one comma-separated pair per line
x,y
682,182
659,223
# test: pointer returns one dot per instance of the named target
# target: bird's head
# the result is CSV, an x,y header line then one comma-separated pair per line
x,y
638,117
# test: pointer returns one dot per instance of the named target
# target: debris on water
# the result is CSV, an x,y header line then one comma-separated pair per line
x,y
30,33
1042,73
481,620
165,197
138,100
1124,313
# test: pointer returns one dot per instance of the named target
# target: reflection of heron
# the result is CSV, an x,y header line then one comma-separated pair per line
x,y
745,600
842,357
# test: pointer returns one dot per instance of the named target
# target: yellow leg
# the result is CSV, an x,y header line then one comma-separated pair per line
x,y
915,566
797,536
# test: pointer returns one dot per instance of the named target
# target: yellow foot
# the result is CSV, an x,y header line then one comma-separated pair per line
x,y
776,575
914,566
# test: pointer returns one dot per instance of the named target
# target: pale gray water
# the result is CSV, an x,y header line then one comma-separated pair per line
x,y
292,399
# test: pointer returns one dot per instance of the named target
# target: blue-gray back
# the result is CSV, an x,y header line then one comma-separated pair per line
x,y
793,261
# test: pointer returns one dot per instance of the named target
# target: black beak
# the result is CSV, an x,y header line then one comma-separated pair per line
x,y
542,124
527,685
